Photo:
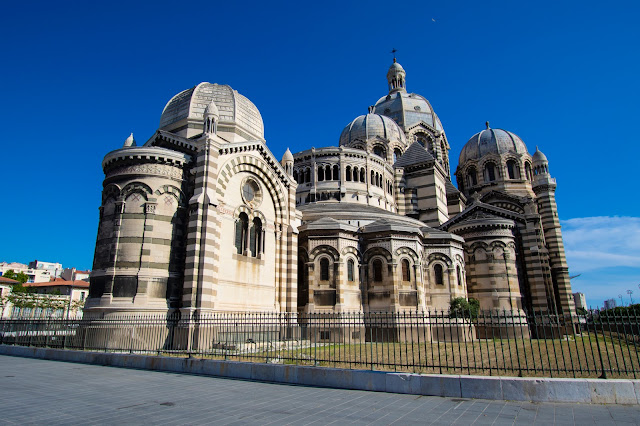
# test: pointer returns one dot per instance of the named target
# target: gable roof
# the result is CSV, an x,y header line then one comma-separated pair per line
x,y
415,154
480,207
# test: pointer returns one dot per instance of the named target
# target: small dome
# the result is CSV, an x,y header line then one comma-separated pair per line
x,y
236,111
369,126
539,157
130,141
395,67
288,156
491,141
212,109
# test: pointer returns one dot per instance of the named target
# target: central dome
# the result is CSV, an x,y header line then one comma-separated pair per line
x,y
408,109
366,127
238,116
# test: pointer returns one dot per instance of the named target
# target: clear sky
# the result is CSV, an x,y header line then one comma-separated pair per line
x,y
78,77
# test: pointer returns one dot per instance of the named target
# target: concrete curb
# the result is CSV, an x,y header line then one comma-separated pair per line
x,y
598,391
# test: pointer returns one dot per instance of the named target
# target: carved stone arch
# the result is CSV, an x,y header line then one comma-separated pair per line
x,y
242,209
377,251
408,252
476,245
440,257
324,251
142,188
350,250
459,260
259,215
111,191
173,190
256,166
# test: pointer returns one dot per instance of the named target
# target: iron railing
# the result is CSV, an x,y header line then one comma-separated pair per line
x,y
596,344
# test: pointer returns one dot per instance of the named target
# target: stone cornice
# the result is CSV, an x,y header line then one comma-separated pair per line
x,y
143,154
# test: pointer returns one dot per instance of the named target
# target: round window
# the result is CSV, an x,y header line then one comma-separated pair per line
x,y
250,191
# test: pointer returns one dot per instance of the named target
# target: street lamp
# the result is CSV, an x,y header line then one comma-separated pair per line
x,y
621,302
630,292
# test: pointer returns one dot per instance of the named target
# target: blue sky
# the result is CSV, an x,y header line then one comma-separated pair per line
x,y
78,77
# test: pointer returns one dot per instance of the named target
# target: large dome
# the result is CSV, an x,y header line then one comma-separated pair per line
x,y
408,109
368,126
186,111
491,141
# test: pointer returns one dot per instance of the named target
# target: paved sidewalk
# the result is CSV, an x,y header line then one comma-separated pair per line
x,y
37,391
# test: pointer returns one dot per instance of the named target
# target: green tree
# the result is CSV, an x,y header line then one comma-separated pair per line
x,y
463,308
10,274
20,276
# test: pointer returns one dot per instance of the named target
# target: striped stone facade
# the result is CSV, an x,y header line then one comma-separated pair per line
x,y
203,217
197,224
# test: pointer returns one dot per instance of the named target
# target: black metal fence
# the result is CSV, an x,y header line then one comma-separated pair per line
x,y
596,344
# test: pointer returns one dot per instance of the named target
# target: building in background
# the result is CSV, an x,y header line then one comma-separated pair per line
x,y
71,274
203,218
610,303
34,275
6,286
55,269
579,300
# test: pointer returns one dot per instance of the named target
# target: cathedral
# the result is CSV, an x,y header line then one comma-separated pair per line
x,y
203,218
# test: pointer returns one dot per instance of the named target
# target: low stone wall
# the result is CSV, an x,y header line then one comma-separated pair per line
x,y
600,391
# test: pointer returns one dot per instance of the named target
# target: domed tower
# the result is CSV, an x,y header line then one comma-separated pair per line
x,y
211,115
415,116
495,159
287,162
544,187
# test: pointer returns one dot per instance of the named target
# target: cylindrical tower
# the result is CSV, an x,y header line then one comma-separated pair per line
x,y
544,187
139,257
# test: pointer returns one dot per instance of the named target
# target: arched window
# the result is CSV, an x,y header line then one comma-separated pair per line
x,y
379,151
406,272
295,176
324,269
320,173
256,237
363,176
242,227
350,267
327,172
490,172
396,155
459,275
307,176
336,172
512,169
355,174
472,175
373,178
437,269
348,173
377,270
527,171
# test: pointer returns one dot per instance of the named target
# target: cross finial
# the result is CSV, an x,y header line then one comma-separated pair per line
x,y
394,54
